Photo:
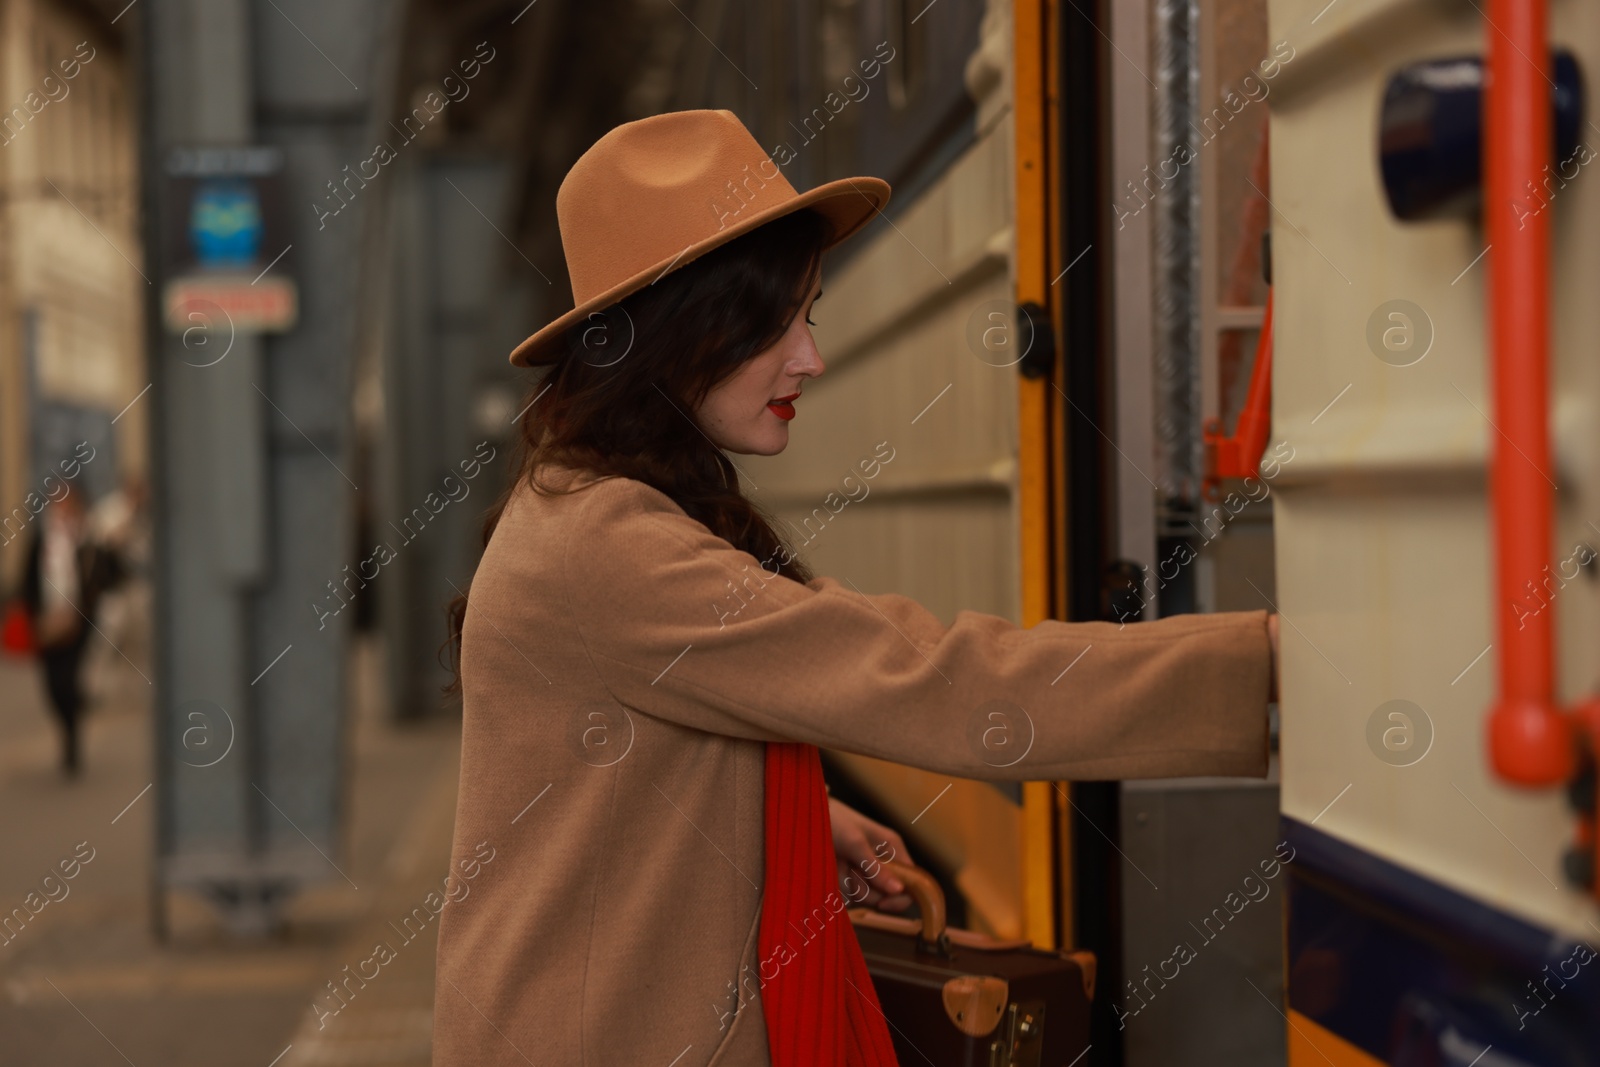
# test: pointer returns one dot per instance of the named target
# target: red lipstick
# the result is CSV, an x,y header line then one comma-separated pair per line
x,y
783,407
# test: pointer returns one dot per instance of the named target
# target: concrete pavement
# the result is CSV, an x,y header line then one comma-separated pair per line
x,y
86,983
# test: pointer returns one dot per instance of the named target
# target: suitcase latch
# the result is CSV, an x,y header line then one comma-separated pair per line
x,y
1020,1042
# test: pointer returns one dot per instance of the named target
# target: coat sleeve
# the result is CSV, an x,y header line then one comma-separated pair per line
x,y
685,627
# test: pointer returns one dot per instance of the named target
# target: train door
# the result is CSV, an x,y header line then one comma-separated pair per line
x,y
1155,207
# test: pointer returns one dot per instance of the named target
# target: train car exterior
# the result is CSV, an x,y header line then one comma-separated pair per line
x,y
1438,911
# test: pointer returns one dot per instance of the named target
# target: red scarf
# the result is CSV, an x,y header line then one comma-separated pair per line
x,y
820,1007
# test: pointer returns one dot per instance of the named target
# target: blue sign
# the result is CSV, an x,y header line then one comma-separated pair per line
x,y
225,224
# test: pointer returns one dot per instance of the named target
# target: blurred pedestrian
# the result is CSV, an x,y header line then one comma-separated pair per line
x,y
117,521
119,528
66,573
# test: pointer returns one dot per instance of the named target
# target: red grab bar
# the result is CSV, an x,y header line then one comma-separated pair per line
x,y
1530,741
1239,456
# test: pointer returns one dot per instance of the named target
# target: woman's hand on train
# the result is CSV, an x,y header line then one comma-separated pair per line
x,y
1272,635
862,847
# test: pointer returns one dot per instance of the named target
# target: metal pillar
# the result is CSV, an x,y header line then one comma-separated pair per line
x,y
450,397
250,458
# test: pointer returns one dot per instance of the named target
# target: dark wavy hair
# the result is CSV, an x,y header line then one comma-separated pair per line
x,y
622,399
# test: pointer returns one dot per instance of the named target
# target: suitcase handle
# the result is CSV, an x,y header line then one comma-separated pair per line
x,y
923,889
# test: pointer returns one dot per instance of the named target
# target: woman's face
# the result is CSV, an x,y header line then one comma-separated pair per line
x,y
749,413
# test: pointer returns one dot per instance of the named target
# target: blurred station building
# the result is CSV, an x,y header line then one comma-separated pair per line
x,y
73,288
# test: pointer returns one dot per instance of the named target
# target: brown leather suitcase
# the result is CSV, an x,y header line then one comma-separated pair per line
x,y
958,998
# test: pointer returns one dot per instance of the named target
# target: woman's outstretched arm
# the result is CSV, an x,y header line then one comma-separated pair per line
x,y
683,626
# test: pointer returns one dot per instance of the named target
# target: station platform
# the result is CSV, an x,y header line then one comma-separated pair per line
x,y
85,982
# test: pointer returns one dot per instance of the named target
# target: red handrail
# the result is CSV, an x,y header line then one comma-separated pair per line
x,y
1530,741
1239,456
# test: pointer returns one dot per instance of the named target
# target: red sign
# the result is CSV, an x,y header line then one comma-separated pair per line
x,y
267,305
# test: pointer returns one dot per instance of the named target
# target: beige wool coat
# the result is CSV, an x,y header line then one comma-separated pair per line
x,y
613,726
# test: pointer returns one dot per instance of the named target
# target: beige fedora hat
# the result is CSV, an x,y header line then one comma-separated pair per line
x,y
652,195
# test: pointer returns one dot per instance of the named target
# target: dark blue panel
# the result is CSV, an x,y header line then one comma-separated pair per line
x,y
1419,975
1430,131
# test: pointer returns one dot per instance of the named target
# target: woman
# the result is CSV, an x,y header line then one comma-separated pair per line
x,y
641,758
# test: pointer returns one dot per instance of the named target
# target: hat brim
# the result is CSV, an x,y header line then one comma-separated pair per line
x,y
848,203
